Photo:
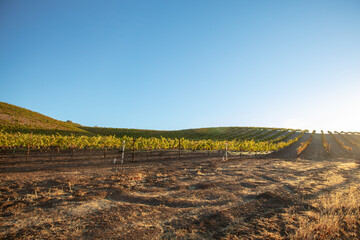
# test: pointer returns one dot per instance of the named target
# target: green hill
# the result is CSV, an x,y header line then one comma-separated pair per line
x,y
17,119
14,118
214,133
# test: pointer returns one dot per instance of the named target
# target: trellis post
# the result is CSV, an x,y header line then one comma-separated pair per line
x,y
123,152
133,150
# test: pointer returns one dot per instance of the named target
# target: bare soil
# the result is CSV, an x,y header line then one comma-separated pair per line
x,y
311,197
336,151
315,150
290,151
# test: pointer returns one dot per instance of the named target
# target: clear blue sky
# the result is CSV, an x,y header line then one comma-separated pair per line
x,y
184,64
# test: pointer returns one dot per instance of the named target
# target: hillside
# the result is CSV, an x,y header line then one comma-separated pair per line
x,y
214,133
14,118
18,119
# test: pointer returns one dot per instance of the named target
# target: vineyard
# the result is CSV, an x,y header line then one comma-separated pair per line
x,y
341,143
15,142
46,135
325,143
69,181
179,120
242,140
63,180
304,145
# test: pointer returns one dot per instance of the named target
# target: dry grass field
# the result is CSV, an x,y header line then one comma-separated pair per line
x,y
204,198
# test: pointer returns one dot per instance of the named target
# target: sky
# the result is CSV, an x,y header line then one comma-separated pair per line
x,y
170,65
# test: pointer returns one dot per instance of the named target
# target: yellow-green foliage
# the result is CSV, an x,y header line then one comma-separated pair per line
x,y
38,141
304,145
341,143
325,143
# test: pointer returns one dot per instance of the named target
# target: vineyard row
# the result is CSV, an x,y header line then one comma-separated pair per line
x,y
37,141
341,143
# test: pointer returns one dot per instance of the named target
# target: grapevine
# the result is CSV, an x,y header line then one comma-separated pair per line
x,y
325,143
38,141
350,140
341,143
304,145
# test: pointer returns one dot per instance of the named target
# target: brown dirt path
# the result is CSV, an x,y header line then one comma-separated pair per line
x,y
315,151
336,151
290,151
347,141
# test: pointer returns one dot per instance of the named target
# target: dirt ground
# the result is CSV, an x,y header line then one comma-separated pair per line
x,y
311,197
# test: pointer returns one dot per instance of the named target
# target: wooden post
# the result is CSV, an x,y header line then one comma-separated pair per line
x,y
133,150
104,153
179,148
72,153
59,153
28,153
54,156
123,153
226,152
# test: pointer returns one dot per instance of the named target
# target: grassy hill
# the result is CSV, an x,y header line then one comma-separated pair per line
x,y
14,118
17,119
214,133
